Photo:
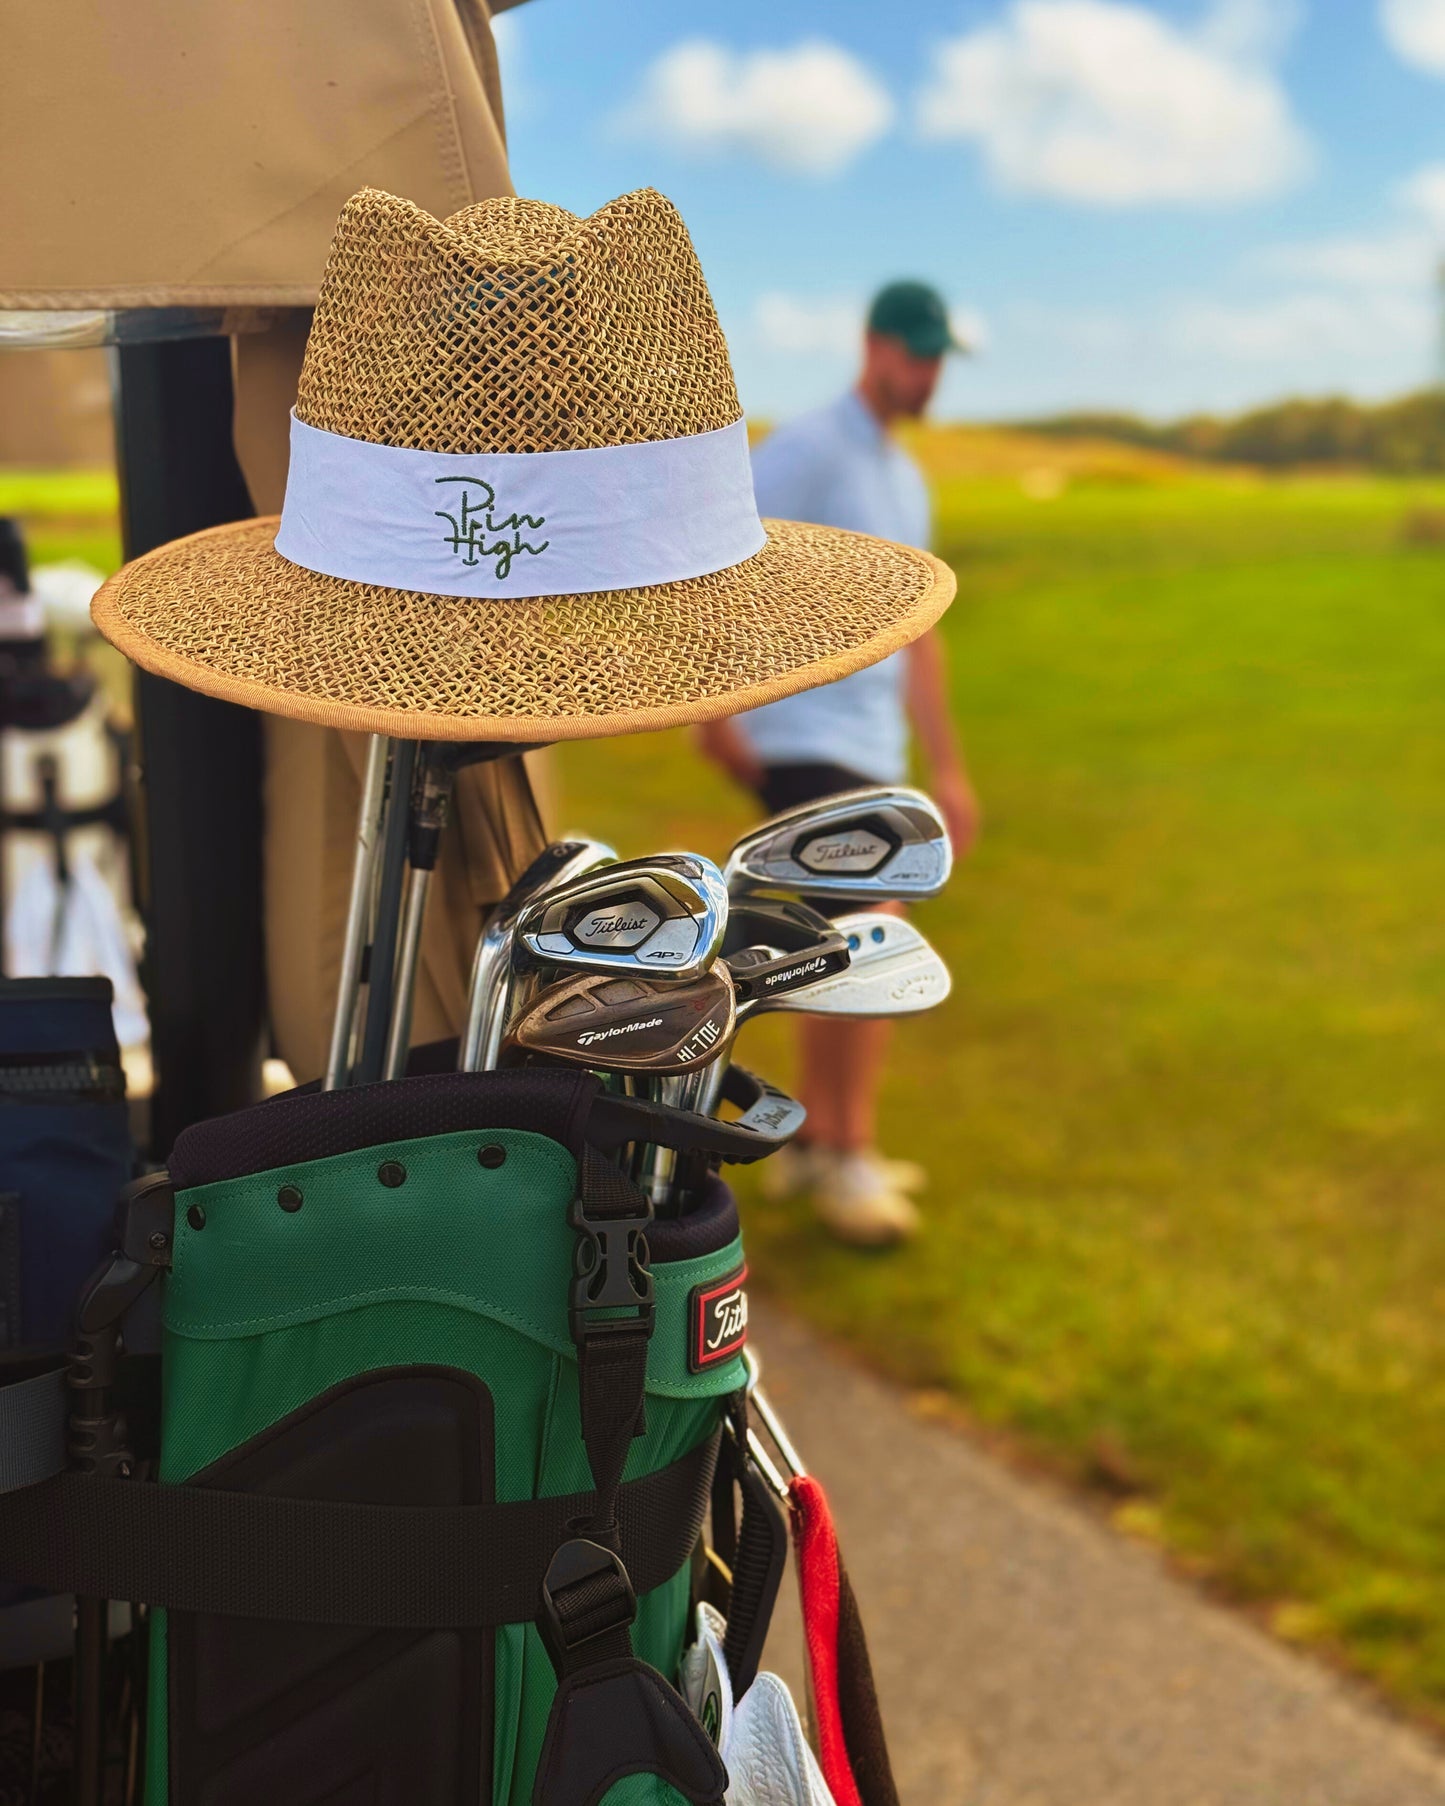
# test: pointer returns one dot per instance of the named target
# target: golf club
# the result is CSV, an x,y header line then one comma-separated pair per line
x,y
490,989
774,944
805,947
432,788
893,972
353,947
625,1024
664,915
885,841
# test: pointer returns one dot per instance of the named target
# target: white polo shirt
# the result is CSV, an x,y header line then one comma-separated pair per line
x,y
839,468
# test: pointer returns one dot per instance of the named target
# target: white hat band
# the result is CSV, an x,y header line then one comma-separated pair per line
x,y
519,523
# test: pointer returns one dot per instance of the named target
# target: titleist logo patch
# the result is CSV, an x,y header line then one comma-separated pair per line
x,y
718,1320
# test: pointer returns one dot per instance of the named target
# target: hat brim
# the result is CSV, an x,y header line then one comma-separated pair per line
x,y
223,613
934,344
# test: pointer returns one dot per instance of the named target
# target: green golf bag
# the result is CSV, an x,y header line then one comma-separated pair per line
x,y
442,1412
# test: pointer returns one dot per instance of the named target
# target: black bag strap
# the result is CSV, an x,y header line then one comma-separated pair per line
x,y
611,1319
588,1597
612,1715
321,1561
758,1553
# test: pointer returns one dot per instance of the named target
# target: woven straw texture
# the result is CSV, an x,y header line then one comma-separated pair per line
x,y
516,327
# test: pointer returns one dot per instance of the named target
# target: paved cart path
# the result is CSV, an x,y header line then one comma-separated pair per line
x,y
1027,1656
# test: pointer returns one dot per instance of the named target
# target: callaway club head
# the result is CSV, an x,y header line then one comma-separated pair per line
x,y
883,842
663,916
487,1004
616,1023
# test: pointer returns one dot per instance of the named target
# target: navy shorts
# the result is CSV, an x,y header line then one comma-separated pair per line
x,y
786,786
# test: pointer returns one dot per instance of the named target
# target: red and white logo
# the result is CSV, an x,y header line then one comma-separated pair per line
x,y
717,1321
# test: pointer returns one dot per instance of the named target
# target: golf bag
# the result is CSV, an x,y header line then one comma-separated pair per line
x,y
441,1417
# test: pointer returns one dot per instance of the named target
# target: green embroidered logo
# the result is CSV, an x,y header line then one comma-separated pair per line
x,y
473,521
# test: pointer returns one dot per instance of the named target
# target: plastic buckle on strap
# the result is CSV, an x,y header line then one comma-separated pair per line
x,y
611,1274
586,1594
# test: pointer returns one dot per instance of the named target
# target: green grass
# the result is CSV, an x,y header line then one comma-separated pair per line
x,y
65,513
1185,1112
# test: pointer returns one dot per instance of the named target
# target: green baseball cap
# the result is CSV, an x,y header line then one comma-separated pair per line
x,y
915,313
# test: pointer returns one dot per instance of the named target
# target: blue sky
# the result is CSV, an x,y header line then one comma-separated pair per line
x,y
1160,205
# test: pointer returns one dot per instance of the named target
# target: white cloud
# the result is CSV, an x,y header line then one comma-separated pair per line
x,y
1251,28
1288,330
1107,103
1394,258
1416,31
812,109
800,326
831,326
1185,352
1424,194
1351,296
1401,254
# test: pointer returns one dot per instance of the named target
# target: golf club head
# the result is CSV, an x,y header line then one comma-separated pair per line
x,y
618,1023
560,863
663,916
883,842
776,944
893,972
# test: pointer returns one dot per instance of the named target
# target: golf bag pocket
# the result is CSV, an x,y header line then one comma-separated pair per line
x,y
421,1346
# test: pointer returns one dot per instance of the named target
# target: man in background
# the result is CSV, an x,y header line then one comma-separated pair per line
x,y
841,466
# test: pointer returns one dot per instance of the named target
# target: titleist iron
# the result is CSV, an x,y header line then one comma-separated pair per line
x,y
489,999
885,841
625,1024
663,916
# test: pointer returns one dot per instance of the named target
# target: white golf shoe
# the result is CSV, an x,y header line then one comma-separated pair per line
x,y
788,1173
799,1167
855,1198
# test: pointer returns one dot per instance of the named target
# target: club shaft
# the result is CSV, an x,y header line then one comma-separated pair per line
x,y
408,963
491,954
368,833
380,988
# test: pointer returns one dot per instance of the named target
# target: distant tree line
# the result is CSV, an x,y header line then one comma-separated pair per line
x,y
1404,435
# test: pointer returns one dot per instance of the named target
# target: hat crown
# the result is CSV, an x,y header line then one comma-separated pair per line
x,y
514,326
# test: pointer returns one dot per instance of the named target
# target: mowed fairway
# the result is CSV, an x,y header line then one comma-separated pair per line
x,y
1185,1112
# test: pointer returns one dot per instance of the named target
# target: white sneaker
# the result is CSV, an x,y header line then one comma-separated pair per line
x,y
854,1199
798,1167
788,1173
902,1175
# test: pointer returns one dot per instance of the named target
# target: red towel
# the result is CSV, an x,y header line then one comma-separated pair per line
x,y
852,1751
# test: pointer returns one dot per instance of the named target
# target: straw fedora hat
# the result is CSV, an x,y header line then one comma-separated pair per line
x,y
519,504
